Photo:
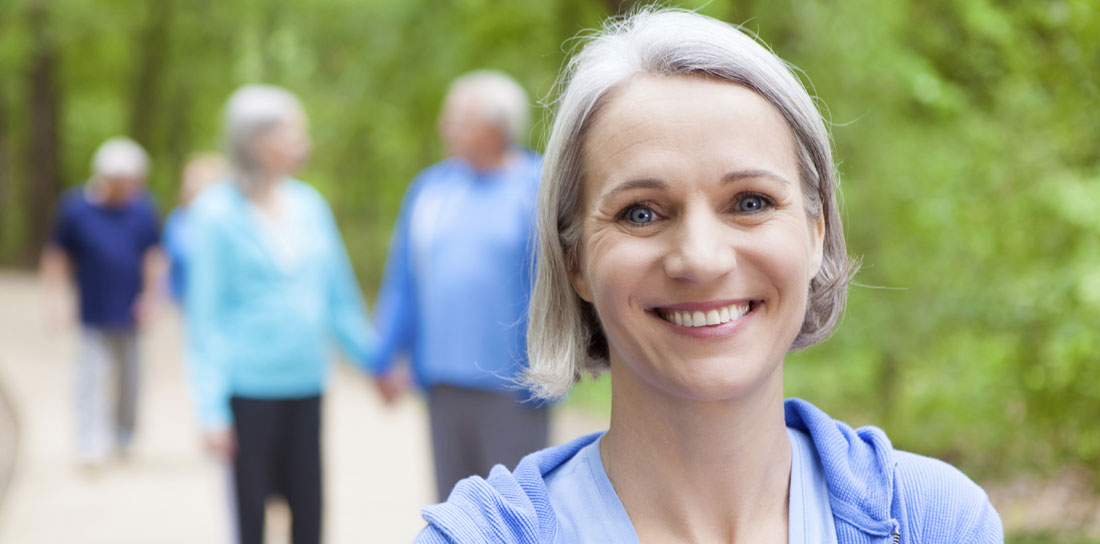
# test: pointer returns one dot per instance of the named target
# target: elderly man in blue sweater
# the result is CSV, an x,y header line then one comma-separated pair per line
x,y
455,293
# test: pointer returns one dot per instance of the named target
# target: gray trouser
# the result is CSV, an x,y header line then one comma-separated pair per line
x,y
472,430
105,391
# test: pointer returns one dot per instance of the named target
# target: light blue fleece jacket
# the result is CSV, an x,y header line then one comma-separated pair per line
x,y
878,494
265,300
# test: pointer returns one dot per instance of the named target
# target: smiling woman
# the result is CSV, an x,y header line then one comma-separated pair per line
x,y
689,239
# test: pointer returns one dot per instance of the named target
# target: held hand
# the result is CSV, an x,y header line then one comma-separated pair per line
x,y
391,386
221,443
144,309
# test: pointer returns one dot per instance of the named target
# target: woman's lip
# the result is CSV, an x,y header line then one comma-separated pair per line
x,y
704,306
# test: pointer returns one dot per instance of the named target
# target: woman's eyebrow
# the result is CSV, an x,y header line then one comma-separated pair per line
x,y
730,177
643,183
738,175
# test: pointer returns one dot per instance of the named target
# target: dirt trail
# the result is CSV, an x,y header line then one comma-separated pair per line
x,y
377,472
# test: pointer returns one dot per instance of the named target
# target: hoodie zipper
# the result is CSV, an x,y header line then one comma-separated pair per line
x,y
896,535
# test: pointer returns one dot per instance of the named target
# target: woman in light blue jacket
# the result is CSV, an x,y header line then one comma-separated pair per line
x,y
689,239
270,289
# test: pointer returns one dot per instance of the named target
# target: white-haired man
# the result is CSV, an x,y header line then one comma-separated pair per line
x,y
457,282
105,239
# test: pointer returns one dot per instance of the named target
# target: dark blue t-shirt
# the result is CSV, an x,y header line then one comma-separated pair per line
x,y
106,246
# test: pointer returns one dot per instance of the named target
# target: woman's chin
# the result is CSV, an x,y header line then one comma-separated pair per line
x,y
717,383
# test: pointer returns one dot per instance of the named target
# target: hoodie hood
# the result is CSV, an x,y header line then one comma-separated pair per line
x,y
859,466
514,507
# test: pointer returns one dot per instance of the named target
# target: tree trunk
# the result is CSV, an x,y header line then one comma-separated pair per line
x,y
44,151
147,79
5,175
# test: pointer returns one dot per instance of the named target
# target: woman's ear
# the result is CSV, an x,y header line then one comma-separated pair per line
x,y
817,245
576,277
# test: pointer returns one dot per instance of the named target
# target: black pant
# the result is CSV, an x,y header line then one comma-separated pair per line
x,y
278,452
472,430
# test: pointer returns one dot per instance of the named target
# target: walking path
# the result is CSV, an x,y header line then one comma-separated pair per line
x,y
377,471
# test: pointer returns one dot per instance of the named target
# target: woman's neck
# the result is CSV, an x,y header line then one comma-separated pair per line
x,y
690,471
261,190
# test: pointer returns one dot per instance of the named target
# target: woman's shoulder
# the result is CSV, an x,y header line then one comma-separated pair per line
x,y
217,200
883,486
301,191
943,504
507,506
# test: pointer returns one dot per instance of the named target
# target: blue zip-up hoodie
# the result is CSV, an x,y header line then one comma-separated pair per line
x,y
877,494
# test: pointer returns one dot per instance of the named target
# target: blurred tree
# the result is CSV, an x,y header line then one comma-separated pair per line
x,y
966,132
45,138
146,103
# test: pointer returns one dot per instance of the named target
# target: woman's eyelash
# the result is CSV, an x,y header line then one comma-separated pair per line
x,y
642,206
765,201
643,212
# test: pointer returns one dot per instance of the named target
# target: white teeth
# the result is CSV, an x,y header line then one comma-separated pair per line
x,y
698,319
713,317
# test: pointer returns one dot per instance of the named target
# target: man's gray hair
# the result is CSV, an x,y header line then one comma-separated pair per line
x,y
565,339
251,111
120,158
499,99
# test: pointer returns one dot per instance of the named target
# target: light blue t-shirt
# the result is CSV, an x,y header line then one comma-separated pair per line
x,y
589,510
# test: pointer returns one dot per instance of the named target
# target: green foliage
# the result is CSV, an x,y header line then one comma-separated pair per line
x,y
1048,538
966,131
970,170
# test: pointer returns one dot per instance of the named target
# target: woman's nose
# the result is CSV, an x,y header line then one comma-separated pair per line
x,y
701,249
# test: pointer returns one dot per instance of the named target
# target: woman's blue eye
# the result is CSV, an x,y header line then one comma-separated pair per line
x,y
640,215
751,204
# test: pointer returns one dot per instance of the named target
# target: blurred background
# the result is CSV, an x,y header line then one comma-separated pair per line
x,y
967,133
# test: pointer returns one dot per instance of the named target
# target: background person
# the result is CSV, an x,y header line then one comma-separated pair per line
x,y
269,287
457,280
104,239
200,171
690,238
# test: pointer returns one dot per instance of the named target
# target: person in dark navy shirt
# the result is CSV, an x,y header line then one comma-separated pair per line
x,y
105,238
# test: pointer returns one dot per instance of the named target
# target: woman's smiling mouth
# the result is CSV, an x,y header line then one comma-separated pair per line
x,y
706,318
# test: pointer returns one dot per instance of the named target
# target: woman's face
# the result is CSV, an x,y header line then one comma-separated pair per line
x,y
284,148
696,248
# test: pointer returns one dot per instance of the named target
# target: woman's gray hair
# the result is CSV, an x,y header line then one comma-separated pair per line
x,y
251,111
499,99
565,339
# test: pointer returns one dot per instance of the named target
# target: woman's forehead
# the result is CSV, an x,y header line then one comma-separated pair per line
x,y
654,124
